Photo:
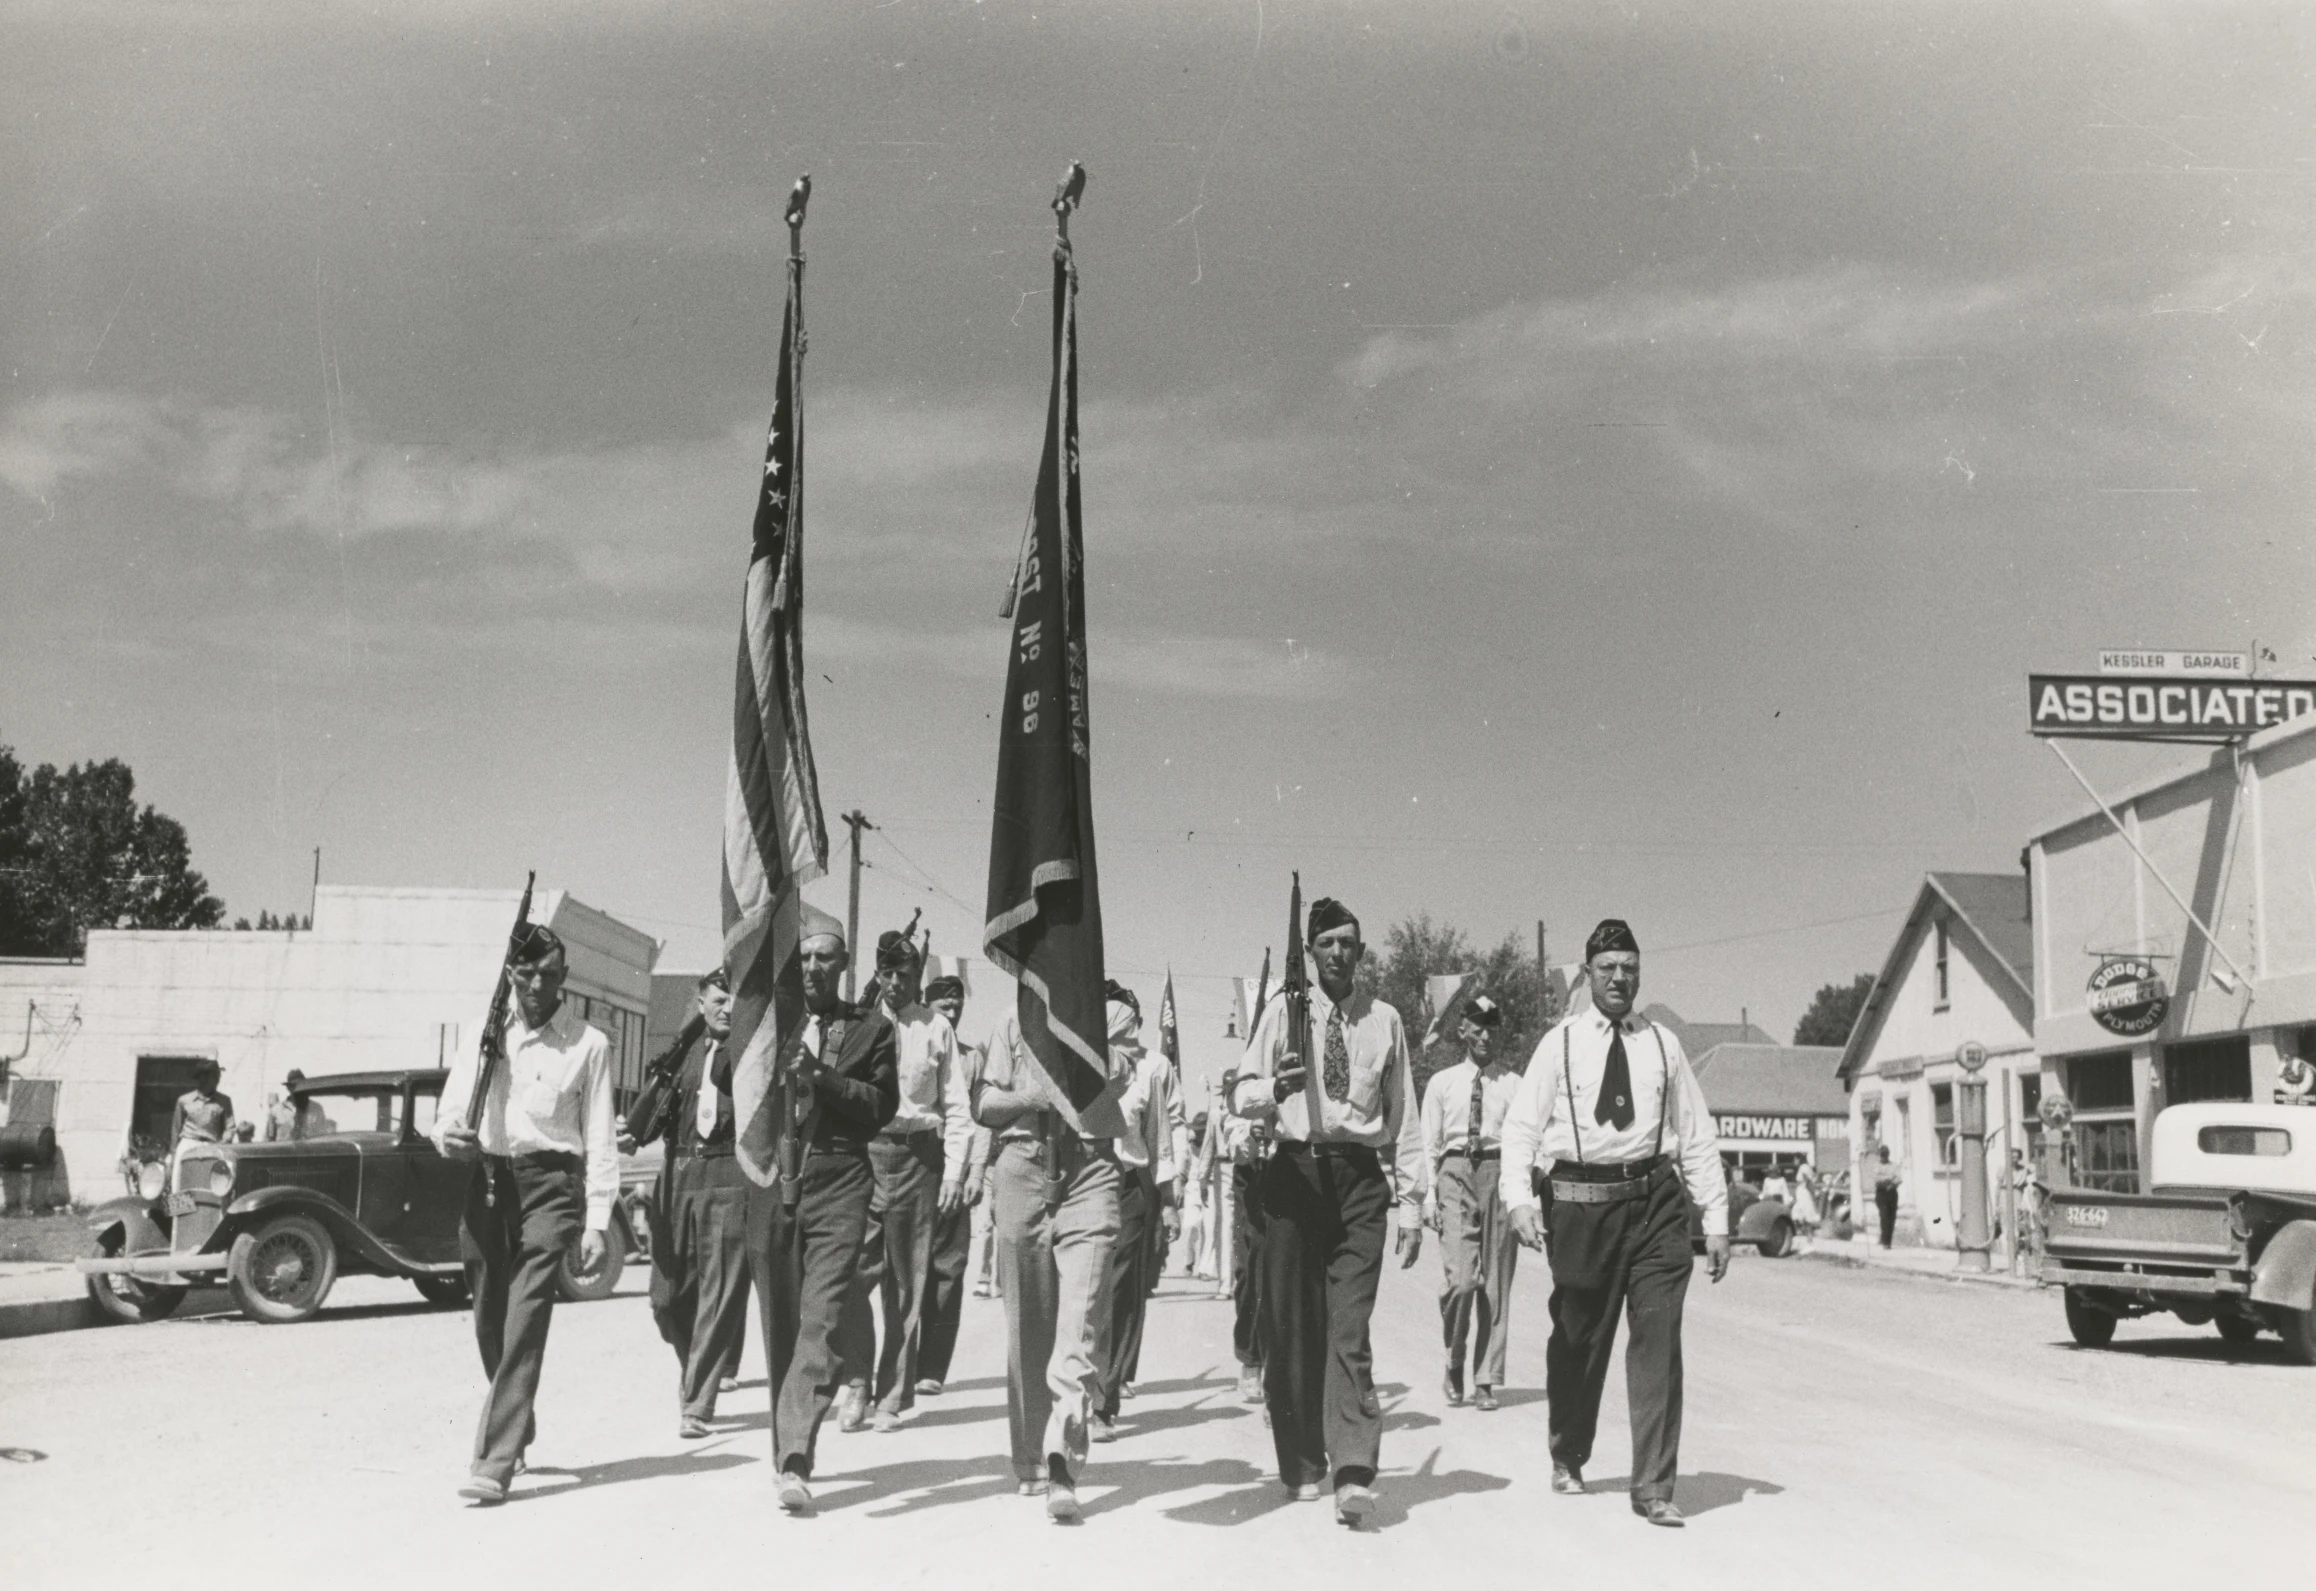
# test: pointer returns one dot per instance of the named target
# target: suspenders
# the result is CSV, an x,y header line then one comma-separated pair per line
x,y
1664,1093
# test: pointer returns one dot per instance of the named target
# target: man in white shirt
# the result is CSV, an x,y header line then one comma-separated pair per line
x,y
1325,1195
548,1171
1245,1146
930,1129
1146,1159
1610,1105
1463,1137
963,1171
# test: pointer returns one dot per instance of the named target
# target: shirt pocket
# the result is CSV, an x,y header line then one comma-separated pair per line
x,y
547,1081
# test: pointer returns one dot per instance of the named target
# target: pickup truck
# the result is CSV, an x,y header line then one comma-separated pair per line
x,y
2226,1235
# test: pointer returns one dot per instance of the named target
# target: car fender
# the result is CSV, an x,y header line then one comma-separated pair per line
x,y
2286,1274
1759,1217
140,1221
253,1209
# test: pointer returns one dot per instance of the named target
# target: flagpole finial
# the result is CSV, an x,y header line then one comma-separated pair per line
x,y
1066,197
798,197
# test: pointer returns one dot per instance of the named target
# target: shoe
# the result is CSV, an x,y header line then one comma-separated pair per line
x,y
886,1422
928,1388
1371,1405
483,1492
1484,1399
1032,1488
1250,1386
1126,1390
1568,1480
1453,1386
852,1408
1308,1493
1104,1429
691,1428
795,1496
1061,1493
980,1289
1353,1504
1659,1511
727,1383
522,1464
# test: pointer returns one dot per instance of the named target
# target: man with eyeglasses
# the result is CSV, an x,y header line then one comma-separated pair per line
x,y
547,1173
1610,1105
1463,1135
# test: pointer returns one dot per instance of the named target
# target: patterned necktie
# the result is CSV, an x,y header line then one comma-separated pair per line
x,y
704,1111
1338,1072
1472,1133
1615,1106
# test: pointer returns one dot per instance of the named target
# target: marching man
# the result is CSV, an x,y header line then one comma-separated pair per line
x,y
1463,1138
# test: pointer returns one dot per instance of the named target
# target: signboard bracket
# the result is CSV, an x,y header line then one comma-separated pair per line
x,y
2153,871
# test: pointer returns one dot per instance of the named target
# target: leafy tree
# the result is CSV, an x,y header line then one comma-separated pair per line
x,y
268,923
1417,948
76,853
1834,1012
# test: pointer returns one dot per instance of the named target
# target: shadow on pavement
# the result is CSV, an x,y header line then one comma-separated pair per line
x,y
1206,1381
1701,1493
1408,1420
1262,1494
1139,1481
1137,1422
2191,1350
625,1469
927,1418
932,1481
1396,1494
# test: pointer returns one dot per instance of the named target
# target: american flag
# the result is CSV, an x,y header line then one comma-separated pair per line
x,y
775,841
1169,1031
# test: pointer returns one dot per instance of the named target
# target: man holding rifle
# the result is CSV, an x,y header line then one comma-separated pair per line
x,y
547,1174
1325,1195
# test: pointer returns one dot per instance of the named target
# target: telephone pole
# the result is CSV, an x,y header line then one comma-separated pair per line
x,y
856,820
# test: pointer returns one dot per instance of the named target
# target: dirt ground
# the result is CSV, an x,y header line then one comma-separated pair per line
x,y
62,1235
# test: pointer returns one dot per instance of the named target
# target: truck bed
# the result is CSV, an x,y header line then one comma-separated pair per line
x,y
2155,1242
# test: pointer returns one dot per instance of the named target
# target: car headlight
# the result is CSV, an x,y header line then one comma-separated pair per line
x,y
221,1178
152,1179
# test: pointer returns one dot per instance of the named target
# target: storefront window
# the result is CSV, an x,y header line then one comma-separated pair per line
x,y
2100,1082
2209,1069
2107,1155
1942,1122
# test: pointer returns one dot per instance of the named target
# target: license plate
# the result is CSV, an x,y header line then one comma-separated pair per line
x,y
2086,1215
178,1204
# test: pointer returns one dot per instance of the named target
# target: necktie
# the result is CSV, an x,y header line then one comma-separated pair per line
x,y
1615,1106
704,1113
1338,1073
1472,1132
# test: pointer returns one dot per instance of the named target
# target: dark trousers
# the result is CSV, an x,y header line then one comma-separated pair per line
x,y
1322,1256
896,1252
699,1272
1886,1206
1631,1257
522,1216
803,1261
1476,1254
1246,1270
945,1292
1119,1353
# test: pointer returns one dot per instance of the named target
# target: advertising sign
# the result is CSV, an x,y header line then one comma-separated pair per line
x,y
2126,996
2161,708
1783,1129
2206,665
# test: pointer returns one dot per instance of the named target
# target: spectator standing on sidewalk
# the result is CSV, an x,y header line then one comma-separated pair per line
x,y
1886,1193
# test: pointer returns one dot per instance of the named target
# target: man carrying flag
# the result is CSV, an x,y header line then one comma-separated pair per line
x,y
811,1072
1045,1089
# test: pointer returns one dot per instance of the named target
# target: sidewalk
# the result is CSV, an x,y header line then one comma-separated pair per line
x,y
1863,1253
39,1296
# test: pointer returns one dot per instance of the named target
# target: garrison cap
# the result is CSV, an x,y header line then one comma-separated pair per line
x,y
944,989
1614,933
1328,912
813,923
1482,1011
537,942
895,949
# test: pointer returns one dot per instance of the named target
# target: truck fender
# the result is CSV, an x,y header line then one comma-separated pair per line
x,y
2286,1274
252,1209
141,1226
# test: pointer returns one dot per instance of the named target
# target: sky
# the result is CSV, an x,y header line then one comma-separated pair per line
x,y
1541,461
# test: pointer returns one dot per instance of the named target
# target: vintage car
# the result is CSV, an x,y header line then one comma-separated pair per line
x,y
1755,1220
357,1188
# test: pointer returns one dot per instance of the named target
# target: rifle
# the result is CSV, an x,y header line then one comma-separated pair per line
x,y
494,1033
1295,990
1258,1133
657,1096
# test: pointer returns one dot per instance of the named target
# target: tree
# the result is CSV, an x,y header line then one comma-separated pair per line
x,y
1834,1012
1416,948
76,853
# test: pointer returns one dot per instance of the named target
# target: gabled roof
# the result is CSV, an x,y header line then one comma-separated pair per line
x,y
1992,908
1772,1079
1698,1037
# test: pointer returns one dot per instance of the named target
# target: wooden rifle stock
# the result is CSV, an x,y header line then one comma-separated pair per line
x,y
494,1033
1295,989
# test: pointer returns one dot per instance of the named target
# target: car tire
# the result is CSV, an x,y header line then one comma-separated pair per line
x,y
2298,1329
280,1273
1779,1242
443,1292
131,1300
2087,1323
583,1287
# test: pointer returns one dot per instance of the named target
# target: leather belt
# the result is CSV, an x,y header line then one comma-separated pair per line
x,y
1476,1154
1327,1151
1605,1170
911,1136
1571,1186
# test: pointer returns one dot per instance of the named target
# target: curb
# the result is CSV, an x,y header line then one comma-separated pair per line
x,y
1966,1278
42,1316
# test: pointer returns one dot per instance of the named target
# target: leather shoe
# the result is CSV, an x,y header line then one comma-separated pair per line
x,y
1484,1399
1370,1404
1061,1493
691,1428
928,1388
483,1491
1032,1488
886,1421
1104,1430
852,1411
1568,1480
1353,1504
1659,1511
1453,1386
1250,1386
1308,1492
795,1496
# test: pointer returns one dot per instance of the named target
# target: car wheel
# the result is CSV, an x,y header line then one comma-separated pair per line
x,y
444,1292
586,1286
1779,1242
2238,1330
2089,1325
281,1272
2298,1329
131,1300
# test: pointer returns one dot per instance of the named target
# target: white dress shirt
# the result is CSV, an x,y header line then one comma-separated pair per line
x,y
1380,1108
552,1095
1447,1107
1668,1112
932,1082
1152,1112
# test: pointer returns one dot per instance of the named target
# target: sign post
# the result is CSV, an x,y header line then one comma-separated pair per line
x,y
1970,1128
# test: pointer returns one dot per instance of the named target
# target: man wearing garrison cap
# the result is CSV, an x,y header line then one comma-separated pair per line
x,y
1325,1194
963,1209
1463,1138
548,1171
930,1130
1149,1153
803,1243
1610,1106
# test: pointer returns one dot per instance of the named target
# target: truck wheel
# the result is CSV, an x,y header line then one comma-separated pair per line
x,y
280,1273
443,1292
2090,1325
131,1300
585,1286
2298,1329
2238,1331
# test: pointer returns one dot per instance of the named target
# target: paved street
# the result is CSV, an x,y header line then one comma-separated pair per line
x,y
1882,1428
